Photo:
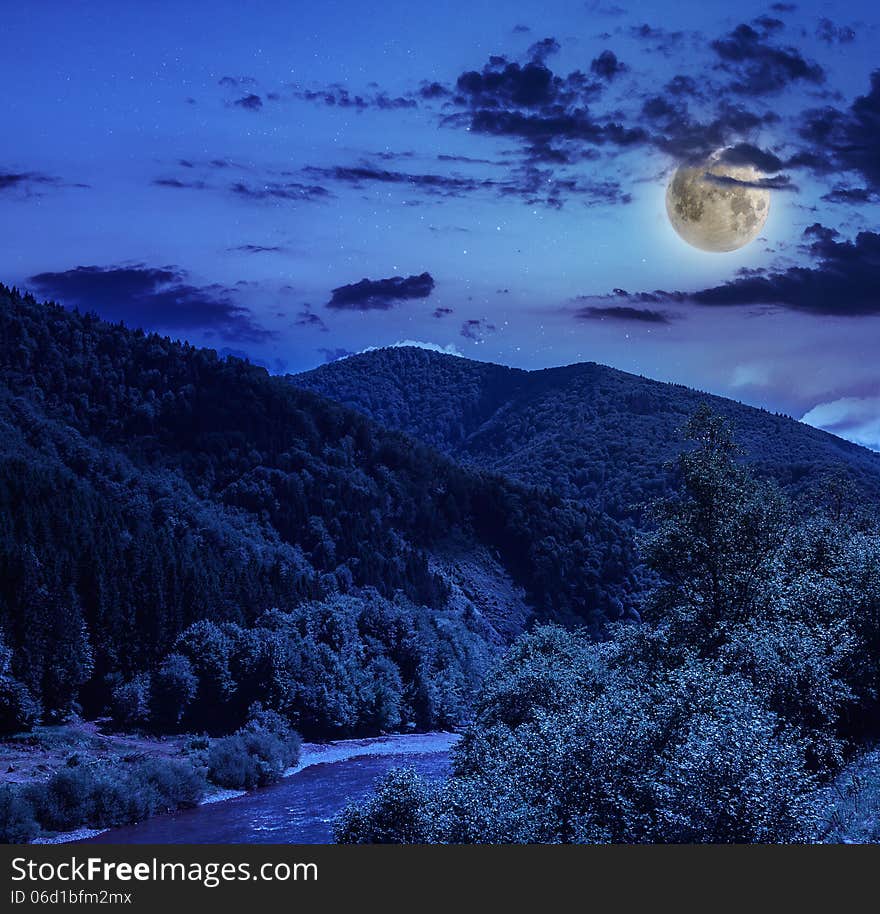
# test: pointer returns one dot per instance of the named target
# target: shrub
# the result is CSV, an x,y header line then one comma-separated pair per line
x,y
396,813
17,822
66,800
256,755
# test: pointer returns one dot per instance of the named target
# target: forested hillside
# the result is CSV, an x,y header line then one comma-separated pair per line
x,y
182,535
585,431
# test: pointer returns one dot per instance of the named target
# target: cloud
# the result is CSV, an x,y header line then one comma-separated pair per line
x,y
308,318
448,349
477,329
622,313
658,39
843,282
547,112
381,294
357,175
236,82
778,182
31,183
544,48
442,312
831,33
607,66
337,96
296,191
855,418
841,193
178,184
846,140
249,102
692,141
152,297
334,355
528,182
258,249
761,68
432,90
769,24
748,154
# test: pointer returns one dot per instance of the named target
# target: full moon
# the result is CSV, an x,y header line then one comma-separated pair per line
x,y
717,207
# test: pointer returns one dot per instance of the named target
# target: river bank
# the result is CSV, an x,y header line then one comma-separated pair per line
x,y
400,747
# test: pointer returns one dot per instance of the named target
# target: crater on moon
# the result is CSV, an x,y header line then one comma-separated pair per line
x,y
711,210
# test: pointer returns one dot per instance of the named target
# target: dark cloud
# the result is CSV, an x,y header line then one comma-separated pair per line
x,y
689,140
236,82
477,329
777,182
842,282
521,29
846,140
380,294
761,68
433,90
258,249
534,185
622,313
783,7
831,33
502,83
32,183
26,180
280,190
607,66
544,48
658,39
769,24
308,318
442,312
178,184
748,154
840,193
357,175
683,86
337,96
152,297
249,102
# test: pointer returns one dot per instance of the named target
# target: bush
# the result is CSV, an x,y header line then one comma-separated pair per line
x,y
100,796
17,822
256,755
398,812
66,800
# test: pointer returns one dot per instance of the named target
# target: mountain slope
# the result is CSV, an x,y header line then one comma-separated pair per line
x,y
584,431
146,486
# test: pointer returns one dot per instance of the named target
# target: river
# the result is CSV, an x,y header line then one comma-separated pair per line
x,y
301,807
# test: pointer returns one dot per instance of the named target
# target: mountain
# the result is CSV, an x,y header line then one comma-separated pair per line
x,y
170,516
583,431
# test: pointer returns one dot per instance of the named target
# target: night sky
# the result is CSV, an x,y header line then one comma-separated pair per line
x,y
301,181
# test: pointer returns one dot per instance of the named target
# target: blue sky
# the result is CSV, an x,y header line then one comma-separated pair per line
x,y
216,171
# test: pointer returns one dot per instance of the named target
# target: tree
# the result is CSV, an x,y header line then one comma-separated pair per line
x,y
716,542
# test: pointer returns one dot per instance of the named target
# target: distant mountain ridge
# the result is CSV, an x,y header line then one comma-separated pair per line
x,y
149,488
585,431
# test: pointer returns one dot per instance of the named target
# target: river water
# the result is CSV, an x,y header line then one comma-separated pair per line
x,y
300,808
